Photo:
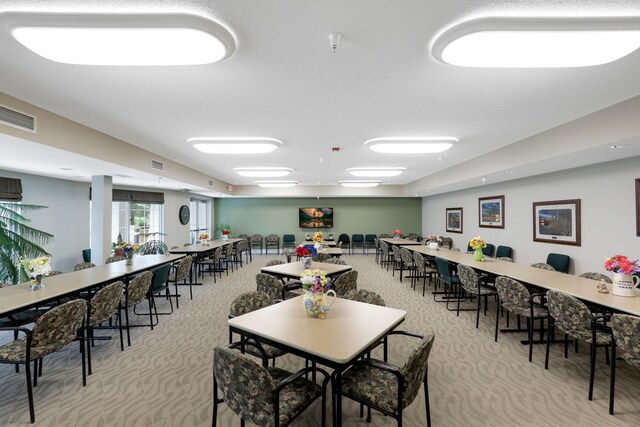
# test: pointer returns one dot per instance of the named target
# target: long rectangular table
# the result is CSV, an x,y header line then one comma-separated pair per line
x,y
200,250
579,287
399,242
20,297
348,332
293,270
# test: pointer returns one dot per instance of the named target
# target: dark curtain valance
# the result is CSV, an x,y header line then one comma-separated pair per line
x,y
10,189
147,197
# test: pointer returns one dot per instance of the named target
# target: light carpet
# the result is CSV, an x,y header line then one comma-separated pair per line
x,y
165,377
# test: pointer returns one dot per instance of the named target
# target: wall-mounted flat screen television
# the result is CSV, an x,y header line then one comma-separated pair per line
x,y
316,217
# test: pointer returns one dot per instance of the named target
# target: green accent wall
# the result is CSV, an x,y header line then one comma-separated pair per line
x,y
357,215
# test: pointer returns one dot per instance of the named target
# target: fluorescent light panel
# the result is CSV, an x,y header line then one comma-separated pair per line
x,y
239,145
411,145
537,42
276,184
263,172
359,184
375,172
122,39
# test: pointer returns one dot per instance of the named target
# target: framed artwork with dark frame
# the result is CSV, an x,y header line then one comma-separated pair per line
x,y
557,221
491,212
454,220
638,207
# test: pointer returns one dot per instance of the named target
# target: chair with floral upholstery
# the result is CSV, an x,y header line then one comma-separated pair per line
x,y
364,295
516,298
626,334
104,304
543,266
413,236
597,276
572,316
53,331
256,241
346,282
334,260
259,395
272,286
246,303
181,275
321,257
83,265
135,292
423,270
390,388
472,284
114,258
447,242
274,262
270,241
406,263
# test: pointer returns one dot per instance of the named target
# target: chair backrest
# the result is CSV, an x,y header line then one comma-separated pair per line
x,y
384,236
571,315
346,282
503,251
248,302
468,278
413,236
596,276
274,262
57,327
447,242
414,369
138,288
86,255
242,236
287,253
54,273
513,294
104,303
396,253
543,266
370,238
364,295
160,278
405,255
334,260
288,238
247,387
444,268
626,332
114,258
183,269
344,238
357,238
418,259
272,238
83,265
322,257
488,251
269,284
559,262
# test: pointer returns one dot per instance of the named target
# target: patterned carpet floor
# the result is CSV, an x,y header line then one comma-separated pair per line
x,y
165,377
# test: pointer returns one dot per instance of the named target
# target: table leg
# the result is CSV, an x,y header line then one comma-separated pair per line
x,y
337,421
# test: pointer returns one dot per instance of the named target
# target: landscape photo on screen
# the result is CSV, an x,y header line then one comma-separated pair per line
x,y
316,217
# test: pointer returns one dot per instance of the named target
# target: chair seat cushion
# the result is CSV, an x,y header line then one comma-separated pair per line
x,y
294,396
16,351
539,311
372,386
269,350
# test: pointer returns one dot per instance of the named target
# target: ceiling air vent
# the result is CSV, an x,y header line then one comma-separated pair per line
x,y
210,183
155,164
17,119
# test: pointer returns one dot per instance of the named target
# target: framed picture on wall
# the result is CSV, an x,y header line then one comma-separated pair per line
x,y
557,221
638,207
491,212
454,220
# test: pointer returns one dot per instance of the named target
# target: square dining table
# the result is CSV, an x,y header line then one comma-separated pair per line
x,y
349,331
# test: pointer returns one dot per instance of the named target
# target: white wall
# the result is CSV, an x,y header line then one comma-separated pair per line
x,y
68,216
607,193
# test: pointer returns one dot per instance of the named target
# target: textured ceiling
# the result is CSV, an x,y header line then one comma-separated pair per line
x,y
284,82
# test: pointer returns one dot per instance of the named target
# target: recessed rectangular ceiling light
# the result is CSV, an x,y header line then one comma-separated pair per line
x,y
240,145
520,42
276,184
122,39
411,145
263,172
375,172
359,184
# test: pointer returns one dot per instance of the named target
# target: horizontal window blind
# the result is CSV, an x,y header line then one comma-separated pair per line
x,y
10,189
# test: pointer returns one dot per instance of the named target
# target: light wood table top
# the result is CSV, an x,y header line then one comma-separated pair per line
x,y
349,328
329,243
200,248
331,251
392,241
579,287
18,297
294,269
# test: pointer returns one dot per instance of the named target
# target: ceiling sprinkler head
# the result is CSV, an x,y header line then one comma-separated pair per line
x,y
334,38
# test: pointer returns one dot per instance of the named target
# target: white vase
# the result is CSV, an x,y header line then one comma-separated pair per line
x,y
624,284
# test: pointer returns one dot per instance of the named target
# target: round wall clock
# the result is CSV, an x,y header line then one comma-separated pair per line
x,y
184,214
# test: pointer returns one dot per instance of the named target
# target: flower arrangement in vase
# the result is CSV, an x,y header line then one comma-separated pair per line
x,y
128,249
225,231
204,238
305,253
433,241
478,244
396,234
624,270
316,287
36,268
318,238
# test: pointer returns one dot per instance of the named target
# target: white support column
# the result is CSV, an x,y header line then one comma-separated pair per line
x,y
101,198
